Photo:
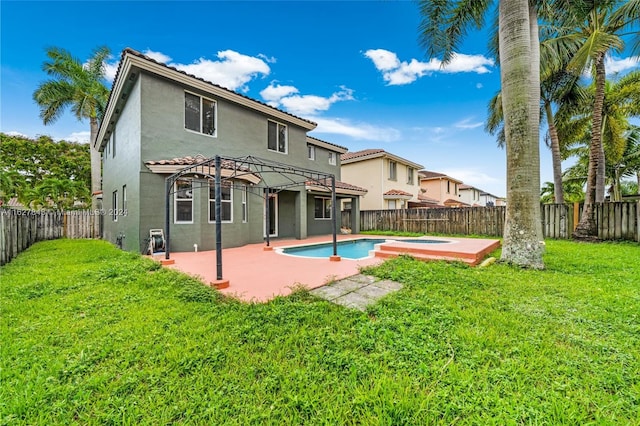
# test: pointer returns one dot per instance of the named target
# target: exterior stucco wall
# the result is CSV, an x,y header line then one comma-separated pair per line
x,y
151,127
123,169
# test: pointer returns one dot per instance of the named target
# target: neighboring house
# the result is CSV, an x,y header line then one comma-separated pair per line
x,y
477,197
391,181
160,120
441,187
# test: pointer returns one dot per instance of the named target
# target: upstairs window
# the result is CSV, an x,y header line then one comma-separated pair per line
x,y
199,114
226,202
114,201
448,186
393,170
277,137
311,152
332,158
410,172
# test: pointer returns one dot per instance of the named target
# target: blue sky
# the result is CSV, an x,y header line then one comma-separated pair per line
x,y
356,68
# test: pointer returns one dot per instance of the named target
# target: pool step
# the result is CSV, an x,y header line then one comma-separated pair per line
x,y
388,250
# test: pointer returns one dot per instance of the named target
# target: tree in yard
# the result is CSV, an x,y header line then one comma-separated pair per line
x,y
591,30
80,87
443,25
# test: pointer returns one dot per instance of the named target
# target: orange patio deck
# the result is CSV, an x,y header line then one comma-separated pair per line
x,y
258,275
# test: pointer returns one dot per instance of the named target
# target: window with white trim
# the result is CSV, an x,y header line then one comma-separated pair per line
x,y
124,199
245,210
410,173
322,208
393,167
226,201
276,137
311,152
332,158
199,114
114,202
183,201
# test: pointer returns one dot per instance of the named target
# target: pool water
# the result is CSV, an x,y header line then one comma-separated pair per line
x,y
354,249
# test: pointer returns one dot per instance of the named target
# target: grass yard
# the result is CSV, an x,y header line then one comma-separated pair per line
x,y
94,335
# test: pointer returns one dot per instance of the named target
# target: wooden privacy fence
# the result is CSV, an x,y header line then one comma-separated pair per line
x,y
615,221
19,229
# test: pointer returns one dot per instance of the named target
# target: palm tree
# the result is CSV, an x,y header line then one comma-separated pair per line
x,y
80,87
443,25
628,165
590,31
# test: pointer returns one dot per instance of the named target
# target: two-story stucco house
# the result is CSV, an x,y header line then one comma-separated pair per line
x,y
391,181
441,187
477,197
160,120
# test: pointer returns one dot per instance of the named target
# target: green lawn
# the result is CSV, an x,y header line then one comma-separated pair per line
x,y
93,335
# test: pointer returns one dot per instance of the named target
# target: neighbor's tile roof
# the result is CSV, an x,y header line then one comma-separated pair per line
x,y
430,175
363,153
339,184
456,202
398,192
427,199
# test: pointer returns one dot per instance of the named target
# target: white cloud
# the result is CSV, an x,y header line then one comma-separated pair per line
x,y
16,133
157,56
616,65
79,137
362,131
233,70
287,97
396,72
273,93
467,124
479,86
267,59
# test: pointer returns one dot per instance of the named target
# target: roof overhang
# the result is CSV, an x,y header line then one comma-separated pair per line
x,y
339,191
383,154
130,67
331,147
397,197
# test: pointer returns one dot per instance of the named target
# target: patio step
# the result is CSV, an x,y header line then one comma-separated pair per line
x,y
425,253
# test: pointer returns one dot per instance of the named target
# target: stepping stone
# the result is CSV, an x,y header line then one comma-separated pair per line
x,y
356,292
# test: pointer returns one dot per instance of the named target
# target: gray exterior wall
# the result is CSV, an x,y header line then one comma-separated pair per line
x,y
123,168
151,127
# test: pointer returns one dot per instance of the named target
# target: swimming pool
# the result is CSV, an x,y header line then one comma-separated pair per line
x,y
350,249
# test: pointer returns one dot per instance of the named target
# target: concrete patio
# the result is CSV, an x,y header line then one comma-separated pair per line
x,y
259,275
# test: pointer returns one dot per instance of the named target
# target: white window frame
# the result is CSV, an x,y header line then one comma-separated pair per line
x,y
410,173
124,199
392,204
325,200
215,115
311,152
286,137
177,199
393,170
114,201
333,158
212,202
245,205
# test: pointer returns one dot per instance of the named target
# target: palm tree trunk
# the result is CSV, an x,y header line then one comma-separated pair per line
x,y
96,166
587,228
520,75
556,158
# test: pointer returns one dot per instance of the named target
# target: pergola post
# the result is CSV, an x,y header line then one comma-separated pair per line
x,y
167,210
334,217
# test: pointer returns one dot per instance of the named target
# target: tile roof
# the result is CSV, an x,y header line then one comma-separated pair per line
x,y
430,175
328,143
190,161
427,199
339,184
451,201
362,153
398,192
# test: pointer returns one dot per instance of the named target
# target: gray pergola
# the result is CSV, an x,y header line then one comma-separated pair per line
x,y
243,167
